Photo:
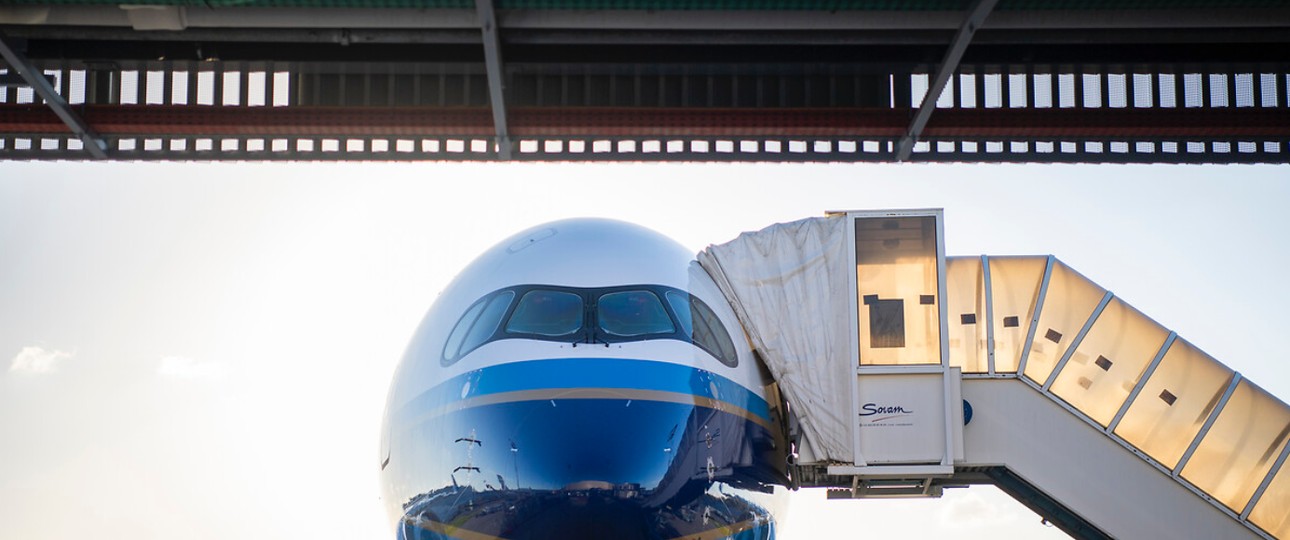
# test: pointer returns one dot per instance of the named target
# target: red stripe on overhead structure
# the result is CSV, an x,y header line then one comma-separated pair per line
x,y
421,121
1110,122
696,122
180,120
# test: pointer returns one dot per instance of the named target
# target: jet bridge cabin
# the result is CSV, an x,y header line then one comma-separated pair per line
x,y
934,371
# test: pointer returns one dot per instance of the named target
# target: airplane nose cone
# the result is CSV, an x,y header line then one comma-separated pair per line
x,y
558,468
523,458
582,443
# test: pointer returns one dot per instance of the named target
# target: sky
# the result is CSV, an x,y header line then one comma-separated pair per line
x,y
203,350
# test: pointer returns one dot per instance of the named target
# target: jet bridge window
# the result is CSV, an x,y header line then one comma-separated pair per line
x,y
897,280
632,313
547,313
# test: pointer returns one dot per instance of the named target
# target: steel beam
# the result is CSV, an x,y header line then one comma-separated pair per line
x,y
93,143
932,35
1076,125
14,80
976,17
456,147
1200,15
493,67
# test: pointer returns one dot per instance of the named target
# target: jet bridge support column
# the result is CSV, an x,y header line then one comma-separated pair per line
x,y
907,412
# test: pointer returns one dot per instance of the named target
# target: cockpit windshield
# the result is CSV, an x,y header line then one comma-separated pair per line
x,y
477,326
488,320
547,313
702,325
633,313
589,315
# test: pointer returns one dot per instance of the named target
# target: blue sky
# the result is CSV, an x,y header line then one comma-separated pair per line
x,y
185,343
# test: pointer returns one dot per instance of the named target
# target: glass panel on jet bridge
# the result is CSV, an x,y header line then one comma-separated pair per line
x,y
1070,300
1109,361
896,281
1014,284
1173,405
1272,512
1239,450
965,299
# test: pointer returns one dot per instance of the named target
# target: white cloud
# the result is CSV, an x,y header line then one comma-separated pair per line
x,y
182,367
971,510
37,360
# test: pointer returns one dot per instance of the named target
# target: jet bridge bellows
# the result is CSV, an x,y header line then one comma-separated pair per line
x,y
934,371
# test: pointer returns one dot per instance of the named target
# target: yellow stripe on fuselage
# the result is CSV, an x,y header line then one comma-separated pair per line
x,y
721,532
546,394
453,531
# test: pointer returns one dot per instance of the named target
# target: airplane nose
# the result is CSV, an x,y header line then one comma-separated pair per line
x,y
558,468
521,458
619,444
550,424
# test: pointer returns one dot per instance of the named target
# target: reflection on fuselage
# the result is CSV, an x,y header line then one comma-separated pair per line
x,y
625,420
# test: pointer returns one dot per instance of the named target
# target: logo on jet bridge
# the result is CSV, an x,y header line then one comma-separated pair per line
x,y
883,413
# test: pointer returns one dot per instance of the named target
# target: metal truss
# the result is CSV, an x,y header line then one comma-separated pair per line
x,y
1158,86
744,149
977,13
36,80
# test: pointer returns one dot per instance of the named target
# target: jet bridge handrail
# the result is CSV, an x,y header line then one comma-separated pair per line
x,y
1188,415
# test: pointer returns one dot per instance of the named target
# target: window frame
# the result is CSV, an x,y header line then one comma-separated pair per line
x,y
723,337
659,301
590,331
482,304
504,325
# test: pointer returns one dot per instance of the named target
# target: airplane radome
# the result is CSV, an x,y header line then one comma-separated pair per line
x,y
582,379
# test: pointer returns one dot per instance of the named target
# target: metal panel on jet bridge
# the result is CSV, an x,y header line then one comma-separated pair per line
x,y
902,418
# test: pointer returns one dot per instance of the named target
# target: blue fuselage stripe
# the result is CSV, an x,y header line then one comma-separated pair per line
x,y
616,373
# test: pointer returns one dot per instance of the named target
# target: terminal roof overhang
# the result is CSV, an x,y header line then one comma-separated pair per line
x,y
824,81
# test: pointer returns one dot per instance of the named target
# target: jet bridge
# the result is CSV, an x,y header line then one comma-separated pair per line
x,y
935,372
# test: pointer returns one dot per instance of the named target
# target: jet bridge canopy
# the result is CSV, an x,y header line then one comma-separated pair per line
x,y
1083,406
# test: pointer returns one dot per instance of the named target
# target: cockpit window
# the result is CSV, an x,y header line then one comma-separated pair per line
x,y
680,303
621,314
632,313
703,327
546,313
451,350
487,322
477,325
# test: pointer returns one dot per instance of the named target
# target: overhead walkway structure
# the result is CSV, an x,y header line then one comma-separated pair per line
x,y
1143,81
1013,371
